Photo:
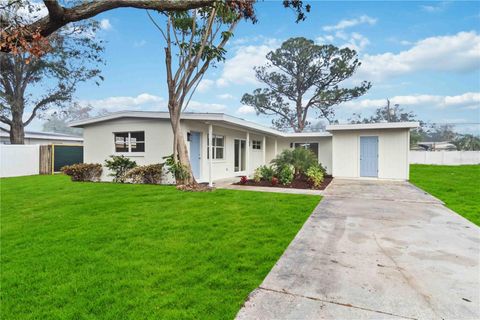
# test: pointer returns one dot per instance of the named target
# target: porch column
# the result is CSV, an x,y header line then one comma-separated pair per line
x,y
247,154
210,151
275,154
264,148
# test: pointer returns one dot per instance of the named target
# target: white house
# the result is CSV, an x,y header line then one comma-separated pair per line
x,y
238,146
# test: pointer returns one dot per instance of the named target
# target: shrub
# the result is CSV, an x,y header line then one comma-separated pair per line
x,y
285,175
266,172
301,159
119,165
243,179
257,175
274,181
315,175
83,171
150,174
178,170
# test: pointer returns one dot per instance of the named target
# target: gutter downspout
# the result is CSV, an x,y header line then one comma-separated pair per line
x,y
210,158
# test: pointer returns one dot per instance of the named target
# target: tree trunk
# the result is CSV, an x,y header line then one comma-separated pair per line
x,y
180,151
17,131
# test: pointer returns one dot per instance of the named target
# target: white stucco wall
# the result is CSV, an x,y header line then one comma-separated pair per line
x,y
223,168
99,145
99,141
324,148
393,151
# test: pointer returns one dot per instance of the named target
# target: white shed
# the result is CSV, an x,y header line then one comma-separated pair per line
x,y
374,150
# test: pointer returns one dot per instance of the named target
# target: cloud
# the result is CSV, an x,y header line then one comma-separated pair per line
x,y
143,101
138,44
205,85
239,68
353,40
225,96
348,23
468,100
148,102
453,53
435,8
105,24
357,42
195,106
246,110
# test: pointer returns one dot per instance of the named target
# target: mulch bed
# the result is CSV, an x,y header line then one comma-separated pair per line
x,y
297,183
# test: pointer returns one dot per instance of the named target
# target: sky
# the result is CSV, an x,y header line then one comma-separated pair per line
x,y
424,56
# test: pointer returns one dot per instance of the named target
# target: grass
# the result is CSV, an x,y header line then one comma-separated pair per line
x,y
112,251
457,186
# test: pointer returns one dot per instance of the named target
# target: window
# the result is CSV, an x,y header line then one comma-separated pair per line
x,y
218,147
130,141
256,144
309,146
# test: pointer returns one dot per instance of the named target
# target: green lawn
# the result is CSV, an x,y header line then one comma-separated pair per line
x,y
111,251
457,186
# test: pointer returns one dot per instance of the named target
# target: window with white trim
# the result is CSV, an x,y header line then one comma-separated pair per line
x,y
256,144
132,141
218,143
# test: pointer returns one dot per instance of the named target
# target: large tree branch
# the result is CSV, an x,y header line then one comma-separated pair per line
x,y
59,16
58,96
55,10
5,120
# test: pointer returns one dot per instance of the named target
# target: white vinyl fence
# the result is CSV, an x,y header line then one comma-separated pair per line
x,y
19,160
445,157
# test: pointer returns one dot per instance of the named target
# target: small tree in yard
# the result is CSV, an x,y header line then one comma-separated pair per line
x,y
71,56
302,77
194,39
119,167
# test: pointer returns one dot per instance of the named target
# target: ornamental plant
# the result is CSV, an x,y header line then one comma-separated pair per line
x,y
179,171
301,159
257,175
243,179
83,171
119,166
266,172
315,176
274,181
285,175
149,174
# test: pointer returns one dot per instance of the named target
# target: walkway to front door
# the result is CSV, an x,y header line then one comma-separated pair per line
x,y
375,250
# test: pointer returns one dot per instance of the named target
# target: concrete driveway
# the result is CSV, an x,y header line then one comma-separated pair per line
x,y
375,250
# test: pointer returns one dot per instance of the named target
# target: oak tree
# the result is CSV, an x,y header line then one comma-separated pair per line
x,y
29,85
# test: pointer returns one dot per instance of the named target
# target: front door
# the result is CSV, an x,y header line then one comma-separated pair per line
x,y
195,153
369,156
239,155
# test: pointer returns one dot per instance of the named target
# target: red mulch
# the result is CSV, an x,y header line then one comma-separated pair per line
x,y
297,183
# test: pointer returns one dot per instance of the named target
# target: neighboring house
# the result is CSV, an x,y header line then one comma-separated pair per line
x,y
36,137
378,150
437,146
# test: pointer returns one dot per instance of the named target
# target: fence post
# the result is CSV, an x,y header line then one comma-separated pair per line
x,y
46,157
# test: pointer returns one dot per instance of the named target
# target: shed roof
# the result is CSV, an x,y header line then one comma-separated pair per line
x,y
373,126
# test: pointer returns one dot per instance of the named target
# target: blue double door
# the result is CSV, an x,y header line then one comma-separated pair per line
x,y
369,156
